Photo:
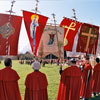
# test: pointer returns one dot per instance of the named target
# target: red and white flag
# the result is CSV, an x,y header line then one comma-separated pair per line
x,y
35,24
13,34
70,30
88,39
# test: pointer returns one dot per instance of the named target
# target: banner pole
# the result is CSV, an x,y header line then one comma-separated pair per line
x,y
8,29
56,34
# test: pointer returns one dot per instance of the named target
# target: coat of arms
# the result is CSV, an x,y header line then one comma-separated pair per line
x,y
6,30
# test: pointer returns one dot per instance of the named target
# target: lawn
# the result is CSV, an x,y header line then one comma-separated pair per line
x,y
51,71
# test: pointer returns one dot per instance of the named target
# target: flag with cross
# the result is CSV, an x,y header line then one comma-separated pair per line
x,y
88,39
70,30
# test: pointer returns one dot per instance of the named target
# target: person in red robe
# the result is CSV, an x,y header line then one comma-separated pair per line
x,y
9,82
96,77
70,83
87,78
36,84
0,86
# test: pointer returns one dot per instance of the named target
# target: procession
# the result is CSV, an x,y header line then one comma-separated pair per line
x,y
43,60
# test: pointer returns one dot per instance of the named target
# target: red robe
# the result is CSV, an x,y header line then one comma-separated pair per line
x,y
1,89
10,89
87,79
70,83
96,78
36,86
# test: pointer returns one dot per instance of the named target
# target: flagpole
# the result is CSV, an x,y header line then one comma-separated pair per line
x,y
74,14
75,18
56,34
8,29
36,7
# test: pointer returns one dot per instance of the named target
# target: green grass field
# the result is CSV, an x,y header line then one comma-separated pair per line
x,y
51,71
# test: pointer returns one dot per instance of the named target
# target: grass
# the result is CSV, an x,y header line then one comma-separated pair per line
x,y
52,73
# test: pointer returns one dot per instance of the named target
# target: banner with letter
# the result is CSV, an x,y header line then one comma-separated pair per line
x,y
70,30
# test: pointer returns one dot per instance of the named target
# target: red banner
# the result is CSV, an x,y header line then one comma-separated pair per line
x,y
35,24
88,39
13,34
70,29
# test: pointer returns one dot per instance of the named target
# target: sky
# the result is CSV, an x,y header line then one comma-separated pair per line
x,y
87,11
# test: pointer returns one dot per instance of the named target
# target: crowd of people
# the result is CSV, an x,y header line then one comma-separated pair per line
x,y
78,81
44,61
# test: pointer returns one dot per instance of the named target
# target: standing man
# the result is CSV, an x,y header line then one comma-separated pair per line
x,y
87,78
70,82
9,78
96,77
36,84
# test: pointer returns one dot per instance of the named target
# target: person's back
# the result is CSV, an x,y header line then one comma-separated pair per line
x,y
1,88
10,79
36,84
96,77
70,83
